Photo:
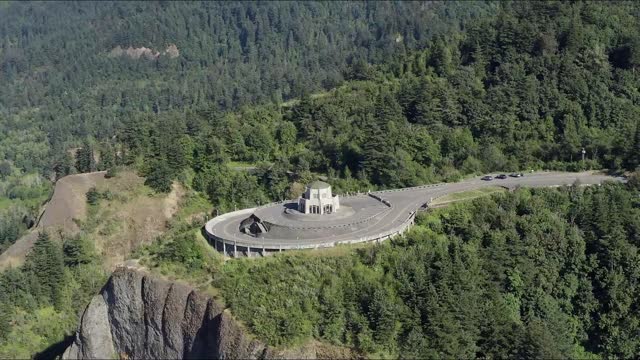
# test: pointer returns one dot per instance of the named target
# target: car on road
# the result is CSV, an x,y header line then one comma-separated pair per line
x,y
487,178
516,175
501,176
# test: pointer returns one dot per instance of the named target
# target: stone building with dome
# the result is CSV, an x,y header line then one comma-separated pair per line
x,y
317,199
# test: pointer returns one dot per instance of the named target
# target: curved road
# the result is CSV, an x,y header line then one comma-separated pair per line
x,y
404,203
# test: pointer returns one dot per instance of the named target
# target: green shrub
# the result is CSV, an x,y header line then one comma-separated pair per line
x,y
93,196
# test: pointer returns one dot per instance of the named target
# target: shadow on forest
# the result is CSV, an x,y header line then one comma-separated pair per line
x,y
55,350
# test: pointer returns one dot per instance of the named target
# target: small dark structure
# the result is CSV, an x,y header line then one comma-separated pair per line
x,y
253,226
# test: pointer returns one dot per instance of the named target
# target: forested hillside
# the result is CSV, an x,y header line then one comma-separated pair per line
x,y
526,85
64,79
518,90
77,79
40,302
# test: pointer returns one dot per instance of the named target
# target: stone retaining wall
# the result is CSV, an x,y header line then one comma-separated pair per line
x,y
230,247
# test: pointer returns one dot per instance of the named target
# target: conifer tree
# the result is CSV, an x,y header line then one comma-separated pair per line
x,y
85,161
5,169
159,177
107,157
77,250
634,154
45,263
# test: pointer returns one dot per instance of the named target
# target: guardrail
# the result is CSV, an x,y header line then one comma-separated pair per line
x,y
404,225
279,246
369,193
253,244
361,221
379,198
236,242
411,188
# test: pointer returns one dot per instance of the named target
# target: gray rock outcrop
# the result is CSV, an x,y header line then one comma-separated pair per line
x,y
94,339
139,316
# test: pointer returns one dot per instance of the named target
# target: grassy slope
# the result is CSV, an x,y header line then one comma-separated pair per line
x,y
128,216
467,195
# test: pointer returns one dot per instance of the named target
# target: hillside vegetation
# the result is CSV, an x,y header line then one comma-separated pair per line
x,y
21,196
514,89
64,83
81,82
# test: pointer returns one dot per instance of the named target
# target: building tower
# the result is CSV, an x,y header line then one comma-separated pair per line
x,y
317,199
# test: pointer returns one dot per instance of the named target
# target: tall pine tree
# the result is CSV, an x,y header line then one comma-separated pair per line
x,y
46,265
85,162
634,153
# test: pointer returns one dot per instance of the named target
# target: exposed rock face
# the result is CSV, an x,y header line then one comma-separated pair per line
x,y
140,316
144,52
94,333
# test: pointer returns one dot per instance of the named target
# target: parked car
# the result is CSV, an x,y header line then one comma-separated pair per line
x,y
516,175
501,176
487,178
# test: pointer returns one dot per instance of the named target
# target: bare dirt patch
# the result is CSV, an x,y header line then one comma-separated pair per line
x,y
144,52
69,201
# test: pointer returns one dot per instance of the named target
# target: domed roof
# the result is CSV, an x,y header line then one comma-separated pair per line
x,y
318,185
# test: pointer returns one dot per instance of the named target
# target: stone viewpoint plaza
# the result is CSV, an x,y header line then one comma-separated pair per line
x,y
321,219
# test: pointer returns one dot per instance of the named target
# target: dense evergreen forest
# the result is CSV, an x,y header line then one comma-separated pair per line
x,y
520,85
63,81
40,302
370,95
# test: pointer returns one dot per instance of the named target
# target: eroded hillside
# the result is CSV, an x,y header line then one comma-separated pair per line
x,y
127,216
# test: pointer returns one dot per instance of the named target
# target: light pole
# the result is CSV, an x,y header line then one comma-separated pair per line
x,y
584,152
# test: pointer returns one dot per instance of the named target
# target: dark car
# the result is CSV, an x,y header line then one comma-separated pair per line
x,y
516,175
487,178
501,176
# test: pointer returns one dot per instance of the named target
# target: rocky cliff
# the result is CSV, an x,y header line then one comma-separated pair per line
x,y
137,315
141,316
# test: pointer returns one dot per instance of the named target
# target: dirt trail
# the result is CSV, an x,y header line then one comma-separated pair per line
x,y
68,202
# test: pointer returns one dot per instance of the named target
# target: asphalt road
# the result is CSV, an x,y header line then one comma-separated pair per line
x,y
403,203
